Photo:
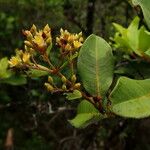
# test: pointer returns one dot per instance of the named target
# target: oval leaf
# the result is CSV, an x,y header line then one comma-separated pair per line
x,y
86,114
131,98
96,65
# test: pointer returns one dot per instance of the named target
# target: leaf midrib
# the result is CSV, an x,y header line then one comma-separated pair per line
x,y
97,70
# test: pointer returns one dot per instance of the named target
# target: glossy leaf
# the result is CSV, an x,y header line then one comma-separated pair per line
x,y
131,98
96,65
86,114
133,38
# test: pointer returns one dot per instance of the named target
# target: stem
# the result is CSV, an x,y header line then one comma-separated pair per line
x,y
39,67
90,99
55,70
34,61
71,64
45,56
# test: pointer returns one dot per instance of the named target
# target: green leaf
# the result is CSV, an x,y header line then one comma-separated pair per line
x,y
148,52
145,5
15,80
95,65
132,33
133,38
144,39
86,114
4,73
119,28
131,98
37,73
75,95
122,40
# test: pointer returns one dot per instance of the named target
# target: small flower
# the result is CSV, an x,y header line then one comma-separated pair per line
x,y
20,58
14,61
68,41
26,57
77,44
39,43
38,40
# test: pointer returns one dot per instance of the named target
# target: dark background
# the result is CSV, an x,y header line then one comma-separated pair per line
x,y
26,109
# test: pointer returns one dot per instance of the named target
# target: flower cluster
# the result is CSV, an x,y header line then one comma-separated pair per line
x,y
20,58
69,42
38,40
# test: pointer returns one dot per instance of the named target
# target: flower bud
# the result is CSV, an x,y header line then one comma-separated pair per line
x,y
49,87
49,40
50,79
47,28
28,34
80,34
64,87
63,79
33,29
73,78
77,85
27,43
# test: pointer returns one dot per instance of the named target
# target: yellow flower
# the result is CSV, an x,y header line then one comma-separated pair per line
x,y
68,41
14,61
77,44
26,57
39,43
71,38
38,40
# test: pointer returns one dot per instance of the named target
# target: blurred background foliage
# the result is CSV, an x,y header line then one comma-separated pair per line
x,y
37,119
